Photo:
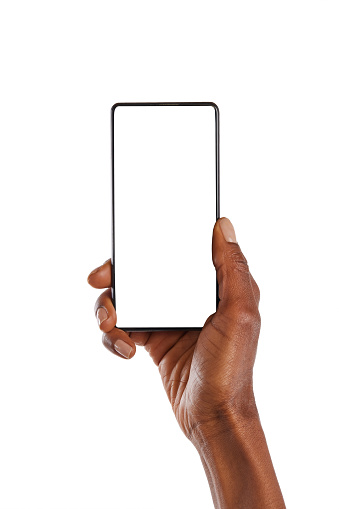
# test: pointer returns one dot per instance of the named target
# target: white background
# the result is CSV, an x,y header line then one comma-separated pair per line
x,y
81,428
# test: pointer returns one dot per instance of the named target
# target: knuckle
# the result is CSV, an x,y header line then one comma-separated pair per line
x,y
256,290
237,317
238,259
249,318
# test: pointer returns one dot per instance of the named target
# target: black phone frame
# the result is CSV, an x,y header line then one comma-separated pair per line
x,y
217,180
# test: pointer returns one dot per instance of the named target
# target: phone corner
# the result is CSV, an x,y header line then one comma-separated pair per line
x,y
215,107
115,106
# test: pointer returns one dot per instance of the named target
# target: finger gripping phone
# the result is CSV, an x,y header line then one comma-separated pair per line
x,y
165,190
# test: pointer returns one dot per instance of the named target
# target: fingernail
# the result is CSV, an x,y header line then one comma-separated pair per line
x,y
227,230
123,348
102,315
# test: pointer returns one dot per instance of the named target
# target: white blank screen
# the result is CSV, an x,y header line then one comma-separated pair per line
x,y
164,213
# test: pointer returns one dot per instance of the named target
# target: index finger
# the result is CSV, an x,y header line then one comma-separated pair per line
x,y
101,277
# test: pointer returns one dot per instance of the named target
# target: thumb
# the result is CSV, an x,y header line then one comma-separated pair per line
x,y
234,279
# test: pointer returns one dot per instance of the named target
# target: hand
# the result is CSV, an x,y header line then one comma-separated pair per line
x,y
206,374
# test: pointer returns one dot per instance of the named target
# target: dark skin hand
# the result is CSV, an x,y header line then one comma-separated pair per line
x,y
208,378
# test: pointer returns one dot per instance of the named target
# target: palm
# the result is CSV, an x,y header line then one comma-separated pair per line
x,y
187,367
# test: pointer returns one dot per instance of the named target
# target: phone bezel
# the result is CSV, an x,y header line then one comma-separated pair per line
x,y
217,180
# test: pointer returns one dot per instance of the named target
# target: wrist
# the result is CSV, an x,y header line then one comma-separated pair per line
x,y
229,421
236,459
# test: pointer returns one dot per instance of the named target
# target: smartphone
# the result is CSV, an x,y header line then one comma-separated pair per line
x,y
165,190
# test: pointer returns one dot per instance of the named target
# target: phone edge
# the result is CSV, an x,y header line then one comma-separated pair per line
x,y
217,186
